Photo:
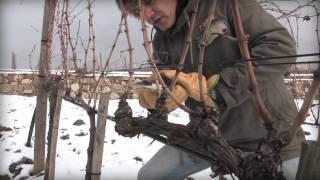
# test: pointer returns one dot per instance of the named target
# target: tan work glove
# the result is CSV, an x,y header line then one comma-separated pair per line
x,y
190,82
147,97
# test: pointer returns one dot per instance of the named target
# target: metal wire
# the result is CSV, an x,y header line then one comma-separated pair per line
x,y
236,62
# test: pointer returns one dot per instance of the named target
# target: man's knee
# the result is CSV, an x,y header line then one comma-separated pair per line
x,y
146,173
143,174
290,168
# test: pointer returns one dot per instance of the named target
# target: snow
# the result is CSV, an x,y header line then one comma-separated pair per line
x,y
119,152
108,73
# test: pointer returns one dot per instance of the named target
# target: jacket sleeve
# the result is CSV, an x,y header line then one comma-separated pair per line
x,y
267,38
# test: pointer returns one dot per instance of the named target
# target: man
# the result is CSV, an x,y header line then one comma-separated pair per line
x,y
240,122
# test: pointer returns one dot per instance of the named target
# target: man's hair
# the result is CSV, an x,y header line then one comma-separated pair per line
x,y
131,6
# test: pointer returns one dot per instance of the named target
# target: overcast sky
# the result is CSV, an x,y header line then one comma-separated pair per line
x,y
21,23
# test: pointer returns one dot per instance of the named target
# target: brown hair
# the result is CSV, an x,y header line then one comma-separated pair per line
x,y
131,6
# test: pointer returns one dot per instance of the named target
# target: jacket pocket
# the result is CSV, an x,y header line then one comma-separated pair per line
x,y
234,86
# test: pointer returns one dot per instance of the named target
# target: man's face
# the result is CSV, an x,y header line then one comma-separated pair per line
x,y
160,13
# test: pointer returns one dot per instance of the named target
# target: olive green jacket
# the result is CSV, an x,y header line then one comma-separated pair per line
x,y
240,121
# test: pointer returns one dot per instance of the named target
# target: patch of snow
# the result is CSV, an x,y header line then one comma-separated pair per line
x,y
119,152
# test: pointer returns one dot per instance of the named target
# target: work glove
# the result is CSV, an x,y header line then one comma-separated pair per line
x,y
147,98
187,85
190,82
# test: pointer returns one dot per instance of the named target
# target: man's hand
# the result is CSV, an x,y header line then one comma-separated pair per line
x,y
190,82
147,97
187,85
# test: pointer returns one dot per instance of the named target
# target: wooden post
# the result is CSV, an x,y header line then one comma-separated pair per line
x,y
318,135
99,137
318,117
309,161
53,131
14,61
92,130
42,96
100,67
28,144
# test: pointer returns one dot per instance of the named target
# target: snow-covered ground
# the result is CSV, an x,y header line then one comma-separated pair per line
x,y
121,159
